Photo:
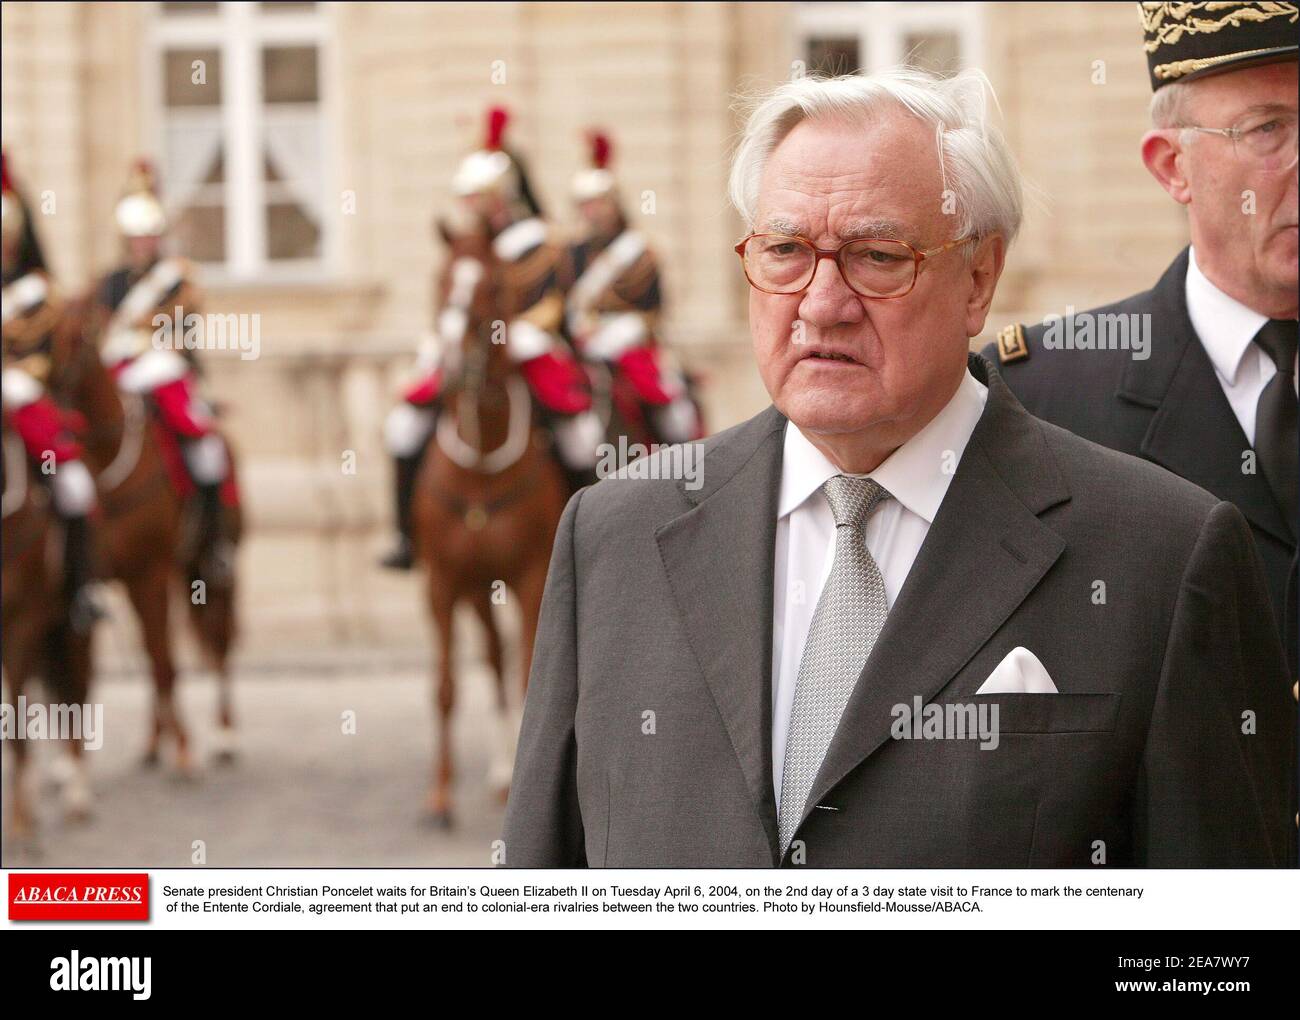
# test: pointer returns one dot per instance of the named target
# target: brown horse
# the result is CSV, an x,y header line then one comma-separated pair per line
x,y
34,624
488,497
141,534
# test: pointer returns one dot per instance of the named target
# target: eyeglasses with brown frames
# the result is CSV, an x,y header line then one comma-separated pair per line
x,y
873,267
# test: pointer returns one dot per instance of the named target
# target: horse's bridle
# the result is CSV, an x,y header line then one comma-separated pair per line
x,y
467,390
466,387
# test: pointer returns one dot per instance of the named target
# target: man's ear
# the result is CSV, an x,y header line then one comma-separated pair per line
x,y
986,264
1160,152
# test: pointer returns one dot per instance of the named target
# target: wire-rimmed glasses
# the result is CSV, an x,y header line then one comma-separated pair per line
x,y
1265,140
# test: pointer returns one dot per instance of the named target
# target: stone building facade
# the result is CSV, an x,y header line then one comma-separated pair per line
x,y
321,138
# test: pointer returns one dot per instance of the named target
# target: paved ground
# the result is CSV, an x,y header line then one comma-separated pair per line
x,y
301,793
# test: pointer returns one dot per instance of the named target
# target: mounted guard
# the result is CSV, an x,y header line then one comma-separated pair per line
x,y
613,306
493,187
32,310
155,361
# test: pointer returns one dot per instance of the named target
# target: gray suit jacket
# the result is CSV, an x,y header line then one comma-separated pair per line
x,y
646,737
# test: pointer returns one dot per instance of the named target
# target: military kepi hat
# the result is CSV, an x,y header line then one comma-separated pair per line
x,y
1184,41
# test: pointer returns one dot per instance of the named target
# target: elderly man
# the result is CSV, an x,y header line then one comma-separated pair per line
x,y
902,623
1212,397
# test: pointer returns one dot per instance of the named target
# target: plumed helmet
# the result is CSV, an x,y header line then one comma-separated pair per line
x,y
596,179
489,168
139,212
495,168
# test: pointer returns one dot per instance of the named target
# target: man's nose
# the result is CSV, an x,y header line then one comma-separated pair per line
x,y
829,301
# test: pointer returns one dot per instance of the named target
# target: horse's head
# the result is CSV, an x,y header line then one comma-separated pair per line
x,y
470,303
74,352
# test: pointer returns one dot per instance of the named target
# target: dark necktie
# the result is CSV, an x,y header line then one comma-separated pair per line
x,y
1277,439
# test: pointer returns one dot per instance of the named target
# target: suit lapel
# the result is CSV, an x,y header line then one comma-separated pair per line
x,y
1194,432
718,557
984,553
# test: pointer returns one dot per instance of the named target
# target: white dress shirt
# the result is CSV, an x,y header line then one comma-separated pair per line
x,y
916,475
1227,330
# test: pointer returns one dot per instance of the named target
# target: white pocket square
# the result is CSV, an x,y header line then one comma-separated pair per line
x,y
1019,673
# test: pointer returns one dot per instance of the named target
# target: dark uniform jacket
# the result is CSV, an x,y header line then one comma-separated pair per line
x,y
1168,408
113,288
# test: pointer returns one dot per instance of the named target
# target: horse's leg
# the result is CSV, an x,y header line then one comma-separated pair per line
x,y
442,602
20,660
500,766
76,794
528,590
214,624
225,739
76,791
149,594
21,822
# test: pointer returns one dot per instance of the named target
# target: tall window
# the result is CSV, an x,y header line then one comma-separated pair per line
x,y
241,135
847,38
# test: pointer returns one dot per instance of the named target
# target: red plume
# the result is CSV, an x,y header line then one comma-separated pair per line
x,y
6,183
498,118
601,149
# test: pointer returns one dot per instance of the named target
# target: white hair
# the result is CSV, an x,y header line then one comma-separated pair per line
x,y
977,164
1169,104
1169,109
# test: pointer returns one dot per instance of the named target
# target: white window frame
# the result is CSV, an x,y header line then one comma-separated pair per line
x,y
239,30
882,28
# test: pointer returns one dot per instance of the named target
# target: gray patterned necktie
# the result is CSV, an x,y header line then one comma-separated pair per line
x,y
845,625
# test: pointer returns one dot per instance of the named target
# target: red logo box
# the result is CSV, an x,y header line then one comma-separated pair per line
x,y
71,897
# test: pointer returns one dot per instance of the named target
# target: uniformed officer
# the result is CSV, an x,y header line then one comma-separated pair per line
x,y
129,302
494,190
30,310
614,300
1199,373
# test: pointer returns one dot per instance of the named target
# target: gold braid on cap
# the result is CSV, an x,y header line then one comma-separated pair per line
x,y
1165,24
1184,67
